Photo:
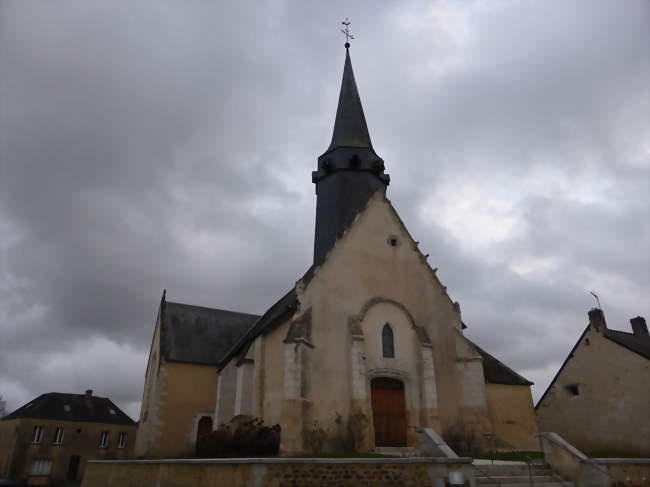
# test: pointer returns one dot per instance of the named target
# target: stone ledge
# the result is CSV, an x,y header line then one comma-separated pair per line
x,y
621,461
288,461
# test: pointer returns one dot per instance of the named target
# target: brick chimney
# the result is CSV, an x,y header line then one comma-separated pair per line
x,y
88,397
639,328
597,319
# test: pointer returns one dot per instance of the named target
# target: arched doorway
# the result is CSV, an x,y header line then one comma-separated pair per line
x,y
388,411
204,427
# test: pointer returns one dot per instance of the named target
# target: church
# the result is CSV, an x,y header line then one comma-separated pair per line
x,y
365,349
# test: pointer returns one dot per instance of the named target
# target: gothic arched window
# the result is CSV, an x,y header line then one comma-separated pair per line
x,y
387,343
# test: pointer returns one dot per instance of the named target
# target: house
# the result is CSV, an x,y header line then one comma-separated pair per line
x,y
599,400
359,353
49,439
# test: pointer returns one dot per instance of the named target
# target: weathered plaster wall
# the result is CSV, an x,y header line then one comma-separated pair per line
x,y
610,413
312,385
274,396
8,436
513,418
79,438
363,266
186,392
226,391
149,408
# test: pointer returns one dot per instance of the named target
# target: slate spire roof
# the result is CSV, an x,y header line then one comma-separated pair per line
x,y
349,173
350,128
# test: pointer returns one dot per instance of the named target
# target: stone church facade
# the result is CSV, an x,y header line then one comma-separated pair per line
x,y
367,346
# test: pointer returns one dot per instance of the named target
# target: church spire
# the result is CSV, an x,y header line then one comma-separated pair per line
x,y
350,128
350,172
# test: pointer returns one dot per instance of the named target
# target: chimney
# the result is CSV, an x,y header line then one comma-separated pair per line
x,y
88,396
597,319
639,328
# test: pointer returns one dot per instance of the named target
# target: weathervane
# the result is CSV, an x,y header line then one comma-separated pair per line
x,y
346,32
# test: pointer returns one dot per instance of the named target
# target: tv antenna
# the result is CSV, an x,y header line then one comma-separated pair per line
x,y
596,297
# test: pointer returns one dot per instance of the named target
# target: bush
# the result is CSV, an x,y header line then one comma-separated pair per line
x,y
250,438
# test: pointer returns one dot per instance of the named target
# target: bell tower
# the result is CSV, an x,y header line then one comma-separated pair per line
x,y
349,172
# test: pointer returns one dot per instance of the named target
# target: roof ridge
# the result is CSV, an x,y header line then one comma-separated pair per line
x,y
611,330
72,394
211,309
259,325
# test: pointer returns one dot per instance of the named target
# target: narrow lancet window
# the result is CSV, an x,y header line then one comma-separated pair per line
x,y
387,343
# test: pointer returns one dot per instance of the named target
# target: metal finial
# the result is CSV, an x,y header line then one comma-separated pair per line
x,y
346,32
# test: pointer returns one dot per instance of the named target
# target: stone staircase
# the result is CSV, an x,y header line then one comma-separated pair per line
x,y
517,475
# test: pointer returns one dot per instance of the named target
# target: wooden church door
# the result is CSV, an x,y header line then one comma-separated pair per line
x,y
388,412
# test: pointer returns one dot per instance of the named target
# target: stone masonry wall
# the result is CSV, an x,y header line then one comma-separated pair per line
x,y
276,473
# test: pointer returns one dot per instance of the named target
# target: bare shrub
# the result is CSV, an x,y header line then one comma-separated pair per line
x,y
250,438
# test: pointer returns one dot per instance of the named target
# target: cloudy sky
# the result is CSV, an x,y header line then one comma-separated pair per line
x,y
167,144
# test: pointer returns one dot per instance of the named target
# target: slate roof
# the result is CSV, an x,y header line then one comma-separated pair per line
x,y
72,407
629,341
496,372
273,316
199,335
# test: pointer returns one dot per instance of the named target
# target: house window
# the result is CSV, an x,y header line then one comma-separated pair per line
x,y
121,439
572,389
41,466
103,440
387,343
58,436
37,434
66,408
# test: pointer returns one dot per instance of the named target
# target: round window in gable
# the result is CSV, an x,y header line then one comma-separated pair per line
x,y
393,240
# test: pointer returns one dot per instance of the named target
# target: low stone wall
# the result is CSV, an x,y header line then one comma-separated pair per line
x,y
628,471
574,465
280,472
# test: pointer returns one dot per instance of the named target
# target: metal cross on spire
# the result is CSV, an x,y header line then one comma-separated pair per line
x,y
346,32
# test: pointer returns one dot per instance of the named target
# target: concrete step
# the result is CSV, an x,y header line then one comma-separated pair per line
x,y
517,475
493,470
554,483
513,479
398,451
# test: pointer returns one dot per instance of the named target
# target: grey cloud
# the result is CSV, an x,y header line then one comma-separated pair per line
x,y
170,145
